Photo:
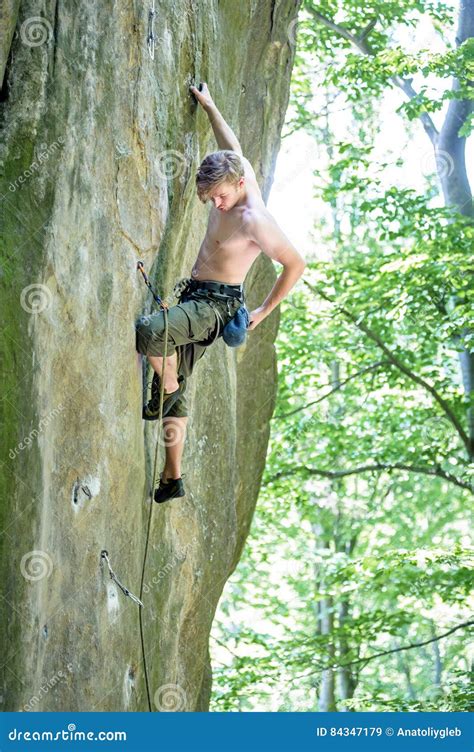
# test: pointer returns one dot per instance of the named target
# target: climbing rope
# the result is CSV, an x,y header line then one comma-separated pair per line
x,y
164,307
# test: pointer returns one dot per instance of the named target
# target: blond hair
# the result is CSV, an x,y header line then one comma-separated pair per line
x,y
217,168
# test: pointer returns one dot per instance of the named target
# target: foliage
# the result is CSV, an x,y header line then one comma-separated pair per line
x,y
359,549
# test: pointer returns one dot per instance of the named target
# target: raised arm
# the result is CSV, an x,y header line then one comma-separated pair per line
x,y
225,136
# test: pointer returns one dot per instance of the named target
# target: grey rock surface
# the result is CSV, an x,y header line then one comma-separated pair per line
x,y
100,145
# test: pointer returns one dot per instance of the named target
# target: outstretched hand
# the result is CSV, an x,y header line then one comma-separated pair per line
x,y
256,316
203,97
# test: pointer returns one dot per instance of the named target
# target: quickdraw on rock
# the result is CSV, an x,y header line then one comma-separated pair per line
x,y
156,297
104,555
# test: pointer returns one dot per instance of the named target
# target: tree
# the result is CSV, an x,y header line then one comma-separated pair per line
x,y
372,442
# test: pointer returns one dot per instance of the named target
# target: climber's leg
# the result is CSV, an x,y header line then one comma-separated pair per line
x,y
174,427
171,484
153,409
173,437
189,321
151,341
171,370
186,325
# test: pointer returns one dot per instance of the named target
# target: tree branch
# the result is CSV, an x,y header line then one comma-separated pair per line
x,y
405,85
365,32
360,42
396,361
335,389
435,471
369,658
341,30
222,644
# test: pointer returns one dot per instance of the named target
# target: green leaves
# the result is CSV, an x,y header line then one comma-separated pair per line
x,y
358,560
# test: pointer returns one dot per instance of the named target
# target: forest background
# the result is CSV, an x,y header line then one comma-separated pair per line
x,y
355,588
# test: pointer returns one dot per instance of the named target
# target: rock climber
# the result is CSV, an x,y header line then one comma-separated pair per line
x,y
239,228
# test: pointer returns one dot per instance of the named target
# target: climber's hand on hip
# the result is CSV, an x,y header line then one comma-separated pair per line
x,y
256,316
203,97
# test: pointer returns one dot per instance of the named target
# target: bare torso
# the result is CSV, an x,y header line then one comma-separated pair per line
x,y
226,253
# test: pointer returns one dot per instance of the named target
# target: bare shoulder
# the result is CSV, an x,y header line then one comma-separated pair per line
x,y
258,216
258,222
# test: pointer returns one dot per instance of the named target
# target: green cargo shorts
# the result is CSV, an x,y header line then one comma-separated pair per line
x,y
193,325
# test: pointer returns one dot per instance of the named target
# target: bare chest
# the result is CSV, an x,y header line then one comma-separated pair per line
x,y
226,232
226,252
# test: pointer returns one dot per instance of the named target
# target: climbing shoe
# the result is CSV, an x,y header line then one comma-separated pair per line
x,y
151,411
170,489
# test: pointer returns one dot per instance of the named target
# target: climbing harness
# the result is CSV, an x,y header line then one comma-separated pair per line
x,y
234,332
220,322
164,307
183,289
150,39
105,555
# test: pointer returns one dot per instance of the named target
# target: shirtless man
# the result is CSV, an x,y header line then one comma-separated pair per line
x,y
239,228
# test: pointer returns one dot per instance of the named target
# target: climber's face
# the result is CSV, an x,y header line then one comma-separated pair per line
x,y
227,195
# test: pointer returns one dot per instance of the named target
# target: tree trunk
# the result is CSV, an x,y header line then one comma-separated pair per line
x,y
451,160
438,663
404,668
327,698
347,684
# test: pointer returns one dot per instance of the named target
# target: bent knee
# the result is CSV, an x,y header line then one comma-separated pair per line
x,y
150,335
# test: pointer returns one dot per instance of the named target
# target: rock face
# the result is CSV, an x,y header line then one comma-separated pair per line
x,y
100,144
